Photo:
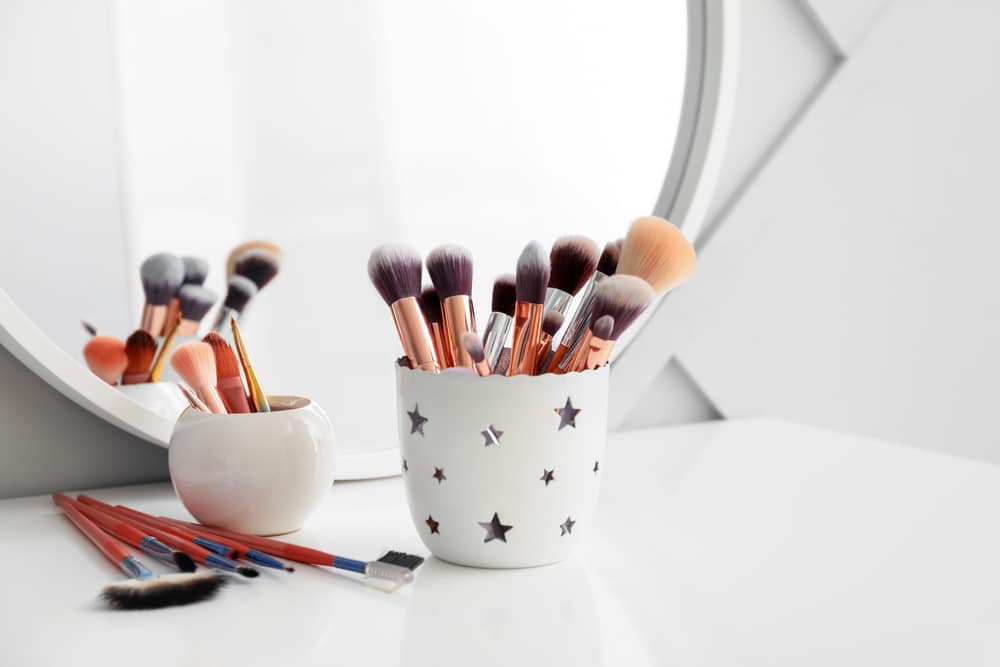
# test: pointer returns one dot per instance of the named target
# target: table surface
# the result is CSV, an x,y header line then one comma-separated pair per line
x,y
733,543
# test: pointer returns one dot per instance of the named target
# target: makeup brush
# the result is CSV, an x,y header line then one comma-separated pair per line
x,y
501,321
623,298
106,357
236,550
193,400
394,270
259,265
450,269
573,260
227,375
194,361
195,302
551,323
657,252
607,265
258,399
430,305
89,328
474,348
140,348
161,357
238,251
239,292
162,275
143,589
531,278
195,272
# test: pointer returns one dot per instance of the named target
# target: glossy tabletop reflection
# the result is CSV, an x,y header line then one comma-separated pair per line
x,y
738,543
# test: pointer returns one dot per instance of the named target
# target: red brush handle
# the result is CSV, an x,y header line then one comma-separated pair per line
x,y
269,546
171,538
129,514
108,545
124,531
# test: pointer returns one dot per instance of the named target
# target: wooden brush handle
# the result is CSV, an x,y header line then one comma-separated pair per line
x,y
108,545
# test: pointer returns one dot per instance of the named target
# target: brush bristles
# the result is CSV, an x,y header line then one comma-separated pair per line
x,y
260,266
430,304
504,294
90,328
140,348
194,361
168,590
532,277
450,269
552,321
402,559
473,346
608,263
226,364
195,270
573,260
195,301
394,269
248,572
183,562
241,290
657,252
162,274
106,358
623,298
238,251
602,327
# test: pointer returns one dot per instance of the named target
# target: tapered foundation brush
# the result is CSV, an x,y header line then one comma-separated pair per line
x,y
430,304
194,361
238,294
621,297
143,589
195,302
227,375
162,275
657,252
140,348
395,270
501,322
450,269
532,279
106,357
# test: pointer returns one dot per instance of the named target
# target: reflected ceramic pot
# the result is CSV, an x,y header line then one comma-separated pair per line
x,y
163,398
502,471
261,473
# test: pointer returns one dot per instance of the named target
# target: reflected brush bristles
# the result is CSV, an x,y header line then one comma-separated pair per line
x,y
259,265
168,590
195,270
140,348
603,326
195,302
430,304
608,263
450,269
573,260
106,358
394,269
90,328
162,274
551,322
238,251
194,361
624,298
241,290
532,277
657,252
504,294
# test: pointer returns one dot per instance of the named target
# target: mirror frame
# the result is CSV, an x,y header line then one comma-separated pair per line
x,y
696,158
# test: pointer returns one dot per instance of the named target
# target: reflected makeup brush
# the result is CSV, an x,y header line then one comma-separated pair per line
x,y
657,252
258,399
450,269
195,272
194,361
573,260
621,297
238,251
394,270
607,265
140,348
143,589
227,374
474,348
259,265
161,357
532,279
241,289
195,302
89,328
501,321
430,304
106,357
551,323
162,275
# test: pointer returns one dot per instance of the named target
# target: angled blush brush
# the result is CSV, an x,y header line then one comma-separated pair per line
x,y
140,348
450,269
194,361
532,278
162,275
227,374
501,321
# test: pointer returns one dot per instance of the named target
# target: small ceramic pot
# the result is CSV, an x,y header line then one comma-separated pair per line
x,y
163,398
502,471
261,473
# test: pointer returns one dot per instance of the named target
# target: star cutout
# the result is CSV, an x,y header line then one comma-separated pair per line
x,y
433,525
492,435
417,421
566,527
439,474
597,466
567,414
547,476
494,529
406,468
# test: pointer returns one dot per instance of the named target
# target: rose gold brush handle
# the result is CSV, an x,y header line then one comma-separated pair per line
x,y
418,346
598,352
527,332
153,319
458,319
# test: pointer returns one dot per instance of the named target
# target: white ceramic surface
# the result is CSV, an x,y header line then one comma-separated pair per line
x,y
519,495
163,398
262,473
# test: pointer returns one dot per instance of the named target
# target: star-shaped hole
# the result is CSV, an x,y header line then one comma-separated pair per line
x,y
495,530
548,476
433,525
492,435
567,414
439,474
566,526
406,467
597,466
417,421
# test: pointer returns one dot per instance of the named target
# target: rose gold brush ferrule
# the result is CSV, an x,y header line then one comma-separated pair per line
x,y
458,319
418,345
577,359
153,320
544,350
210,397
156,370
173,312
527,331
598,353
234,395
437,334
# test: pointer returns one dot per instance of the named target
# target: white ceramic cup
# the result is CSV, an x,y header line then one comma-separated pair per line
x,y
163,398
260,473
502,471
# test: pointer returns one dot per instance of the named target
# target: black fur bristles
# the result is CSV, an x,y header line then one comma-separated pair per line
x,y
430,304
504,294
408,561
183,562
552,321
623,298
195,270
450,269
168,590
395,269
573,259
532,276
608,263
195,301
602,327
259,265
162,274
241,290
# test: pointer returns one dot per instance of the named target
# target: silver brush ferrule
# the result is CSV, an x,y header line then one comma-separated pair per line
x,y
557,300
574,331
498,328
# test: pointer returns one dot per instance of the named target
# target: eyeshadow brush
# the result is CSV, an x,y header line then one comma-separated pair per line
x,y
531,278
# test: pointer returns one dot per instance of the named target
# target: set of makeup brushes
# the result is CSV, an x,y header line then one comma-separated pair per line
x,y
183,546
560,312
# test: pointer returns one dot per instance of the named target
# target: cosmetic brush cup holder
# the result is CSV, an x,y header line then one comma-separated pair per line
x,y
502,472
262,473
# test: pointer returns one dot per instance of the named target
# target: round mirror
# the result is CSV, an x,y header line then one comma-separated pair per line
x,y
327,128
